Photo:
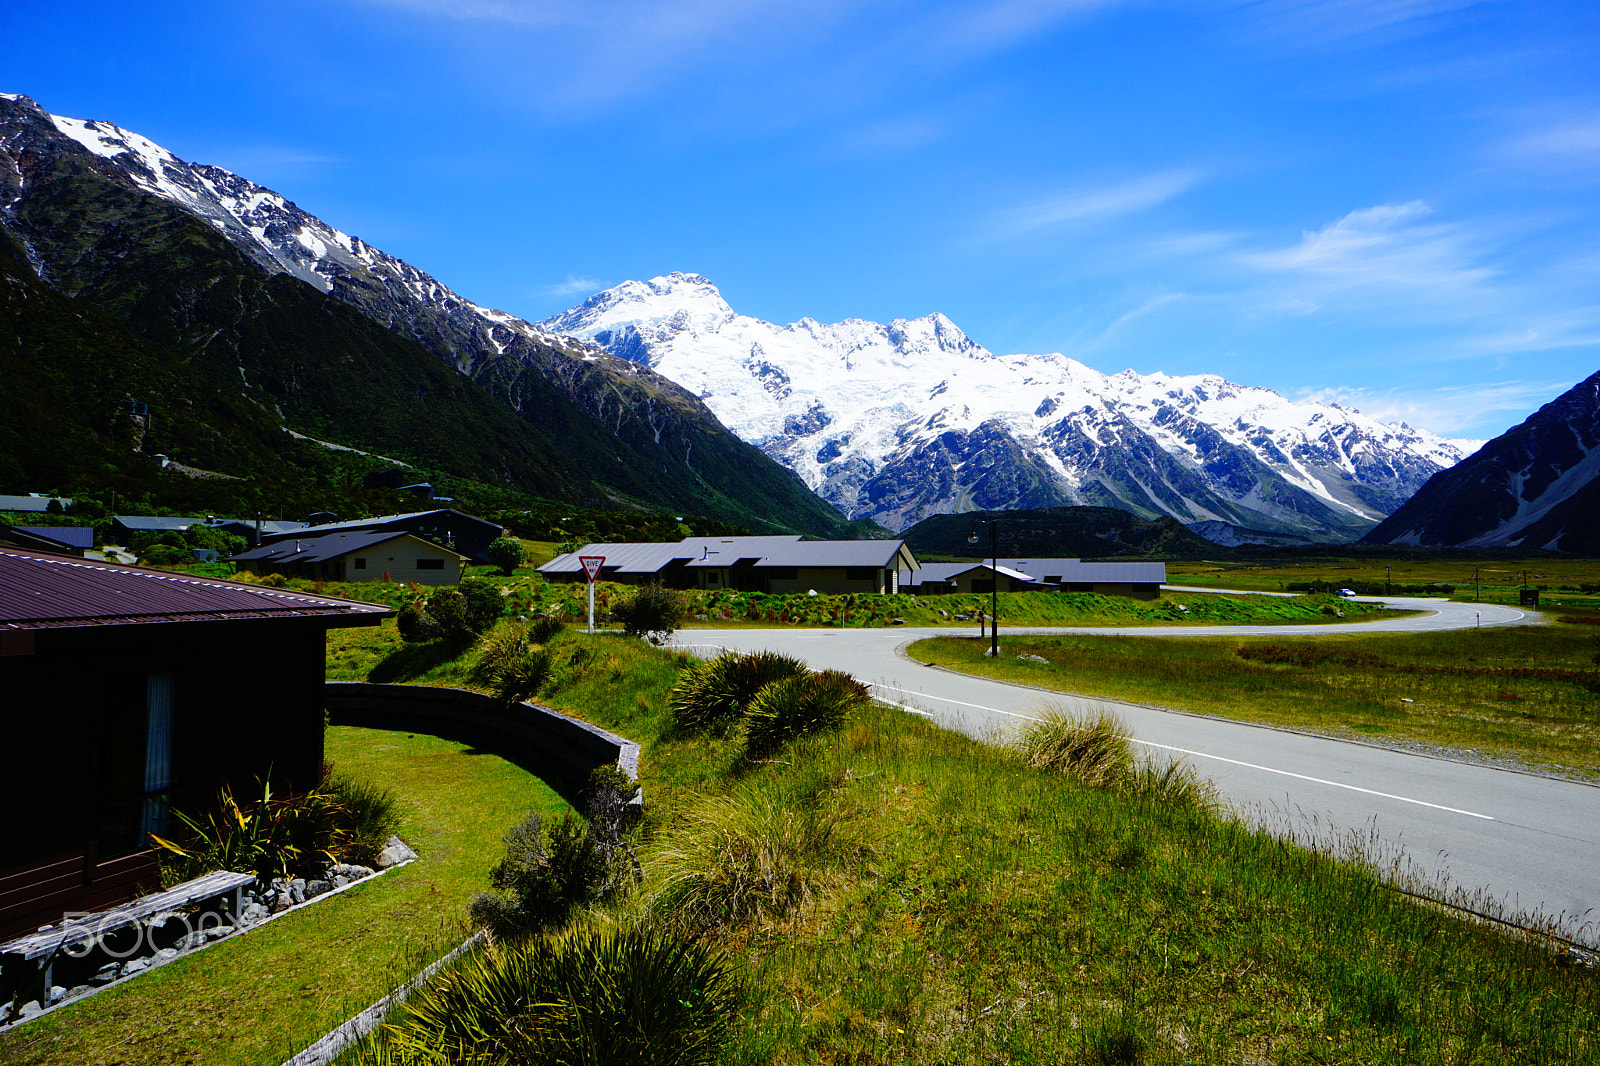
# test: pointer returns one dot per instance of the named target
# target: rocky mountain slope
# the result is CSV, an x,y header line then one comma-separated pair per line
x,y
901,421
1536,486
1056,532
348,344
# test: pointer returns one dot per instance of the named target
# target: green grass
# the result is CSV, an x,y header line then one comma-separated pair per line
x,y
1562,579
902,894
256,999
897,893
723,609
1525,693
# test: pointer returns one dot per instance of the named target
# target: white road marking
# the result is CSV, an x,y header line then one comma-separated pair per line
x,y
1317,780
1219,758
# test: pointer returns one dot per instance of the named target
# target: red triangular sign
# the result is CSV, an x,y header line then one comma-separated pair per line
x,y
592,565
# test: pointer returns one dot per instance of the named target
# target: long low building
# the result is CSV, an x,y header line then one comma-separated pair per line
x,y
357,555
775,564
1139,581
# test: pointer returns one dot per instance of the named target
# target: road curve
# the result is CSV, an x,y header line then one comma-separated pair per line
x,y
1531,843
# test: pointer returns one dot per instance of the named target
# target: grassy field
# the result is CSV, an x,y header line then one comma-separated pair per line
x,y
254,1000
1562,580
909,895
1530,694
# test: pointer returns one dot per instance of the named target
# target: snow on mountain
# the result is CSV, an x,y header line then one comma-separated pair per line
x,y
895,422
1536,486
282,237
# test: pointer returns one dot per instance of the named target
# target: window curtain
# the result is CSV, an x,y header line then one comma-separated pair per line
x,y
157,752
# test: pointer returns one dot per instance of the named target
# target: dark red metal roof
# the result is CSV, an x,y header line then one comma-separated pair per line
x,y
39,591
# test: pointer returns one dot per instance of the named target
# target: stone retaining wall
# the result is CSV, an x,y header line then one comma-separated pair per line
x,y
557,748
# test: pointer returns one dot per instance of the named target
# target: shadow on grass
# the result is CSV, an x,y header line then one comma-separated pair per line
x,y
413,660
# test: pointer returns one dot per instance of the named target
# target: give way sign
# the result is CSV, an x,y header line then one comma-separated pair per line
x,y
592,565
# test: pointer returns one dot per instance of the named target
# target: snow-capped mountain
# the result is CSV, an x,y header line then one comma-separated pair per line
x,y
84,199
1536,486
900,421
281,237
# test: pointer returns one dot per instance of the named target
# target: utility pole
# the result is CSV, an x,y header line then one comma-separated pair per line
x,y
994,589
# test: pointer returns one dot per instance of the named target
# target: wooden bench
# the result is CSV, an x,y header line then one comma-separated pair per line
x,y
41,948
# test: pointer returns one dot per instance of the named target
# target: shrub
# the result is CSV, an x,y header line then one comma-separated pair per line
x,y
654,612
416,624
716,692
484,604
165,555
506,553
448,609
798,706
279,835
582,997
544,875
367,817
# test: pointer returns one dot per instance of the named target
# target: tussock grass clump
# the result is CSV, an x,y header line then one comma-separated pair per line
x,y
1098,751
799,706
1094,750
714,694
582,996
743,858
497,649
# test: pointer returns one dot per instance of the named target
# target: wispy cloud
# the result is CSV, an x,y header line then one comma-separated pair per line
x,y
595,53
1387,251
572,286
1087,205
1573,143
1324,22
1477,409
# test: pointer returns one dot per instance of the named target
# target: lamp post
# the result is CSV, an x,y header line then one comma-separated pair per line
x,y
1386,580
994,588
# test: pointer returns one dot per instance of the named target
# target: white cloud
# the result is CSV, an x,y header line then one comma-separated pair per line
x,y
573,286
1325,22
1089,205
1388,252
1572,143
1484,408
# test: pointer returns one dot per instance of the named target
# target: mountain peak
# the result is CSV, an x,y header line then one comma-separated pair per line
x,y
901,420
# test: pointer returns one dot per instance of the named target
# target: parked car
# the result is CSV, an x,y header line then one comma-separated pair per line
x,y
1344,594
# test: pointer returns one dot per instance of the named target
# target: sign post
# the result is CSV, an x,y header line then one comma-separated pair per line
x,y
591,567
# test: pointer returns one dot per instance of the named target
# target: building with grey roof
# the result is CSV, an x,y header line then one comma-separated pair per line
x,y
467,534
1139,581
356,555
772,564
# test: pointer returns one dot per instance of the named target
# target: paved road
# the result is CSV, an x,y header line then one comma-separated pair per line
x,y
1531,842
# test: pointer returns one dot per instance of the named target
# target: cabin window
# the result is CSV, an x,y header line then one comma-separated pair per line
x,y
860,573
360,562
713,578
1052,579
430,564
983,584
783,573
157,752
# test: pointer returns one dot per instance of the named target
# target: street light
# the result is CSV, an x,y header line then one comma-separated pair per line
x,y
994,588
1386,579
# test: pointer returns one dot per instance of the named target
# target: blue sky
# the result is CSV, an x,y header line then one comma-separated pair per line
x,y
1391,204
